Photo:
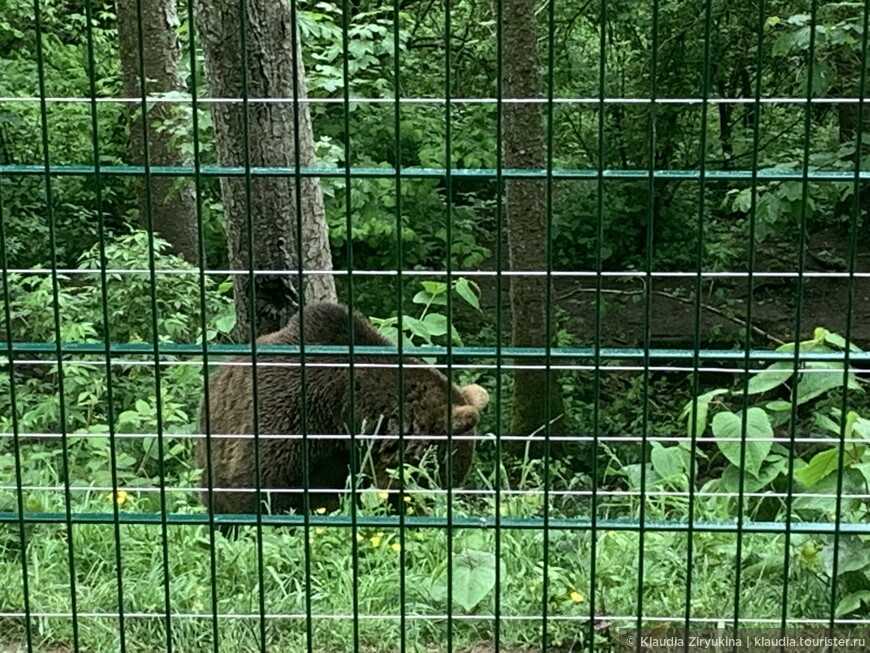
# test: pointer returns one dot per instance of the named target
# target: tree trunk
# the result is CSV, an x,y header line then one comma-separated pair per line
x,y
172,200
269,63
850,122
526,210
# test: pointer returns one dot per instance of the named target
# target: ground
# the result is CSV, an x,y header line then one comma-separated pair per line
x,y
724,302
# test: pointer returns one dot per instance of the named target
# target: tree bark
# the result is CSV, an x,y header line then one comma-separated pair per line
x,y
526,211
172,201
270,62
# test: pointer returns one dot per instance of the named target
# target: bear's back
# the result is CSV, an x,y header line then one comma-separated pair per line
x,y
329,406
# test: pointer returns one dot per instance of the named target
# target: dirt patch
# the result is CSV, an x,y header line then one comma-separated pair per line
x,y
724,302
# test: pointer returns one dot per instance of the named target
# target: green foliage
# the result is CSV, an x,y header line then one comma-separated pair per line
x,y
373,203
633,223
430,326
70,138
473,578
380,552
754,463
83,378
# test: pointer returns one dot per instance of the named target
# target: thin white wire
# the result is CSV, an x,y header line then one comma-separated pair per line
x,y
439,617
707,274
537,493
181,99
120,360
483,438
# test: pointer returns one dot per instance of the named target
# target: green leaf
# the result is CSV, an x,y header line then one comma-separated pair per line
x,y
823,500
468,291
825,422
435,324
434,287
124,461
426,298
473,578
703,403
862,428
769,567
730,425
668,462
839,341
854,555
852,602
743,200
799,19
226,322
771,377
821,465
752,483
813,383
417,328
149,448
791,190
823,77
142,407
864,470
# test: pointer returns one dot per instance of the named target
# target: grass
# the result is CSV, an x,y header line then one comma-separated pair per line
x,y
238,587
285,591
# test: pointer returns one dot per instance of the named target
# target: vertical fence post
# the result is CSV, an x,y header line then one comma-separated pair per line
x,y
799,297
58,339
647,335
303,377
850,301
104,296
400,340
448,189
206,406
596,374
696,317
348,177
16,430
499,310
252,304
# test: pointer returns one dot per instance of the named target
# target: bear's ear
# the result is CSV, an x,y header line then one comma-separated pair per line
x,y
475,395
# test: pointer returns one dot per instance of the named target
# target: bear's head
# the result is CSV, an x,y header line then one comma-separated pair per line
x,y
427,418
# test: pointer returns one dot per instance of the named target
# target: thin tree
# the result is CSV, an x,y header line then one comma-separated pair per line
x,y
526,211
171,200
257,51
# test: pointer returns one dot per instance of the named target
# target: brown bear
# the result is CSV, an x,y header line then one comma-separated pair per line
x,y
328,412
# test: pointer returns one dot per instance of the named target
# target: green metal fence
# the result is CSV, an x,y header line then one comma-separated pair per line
x,y
524,556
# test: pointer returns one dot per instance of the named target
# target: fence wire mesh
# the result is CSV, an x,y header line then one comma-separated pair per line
x,y
636,230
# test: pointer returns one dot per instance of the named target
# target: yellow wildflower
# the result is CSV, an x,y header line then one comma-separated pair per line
x,y
502,510
120,497
376,541
407,499
576,596
359,537
319,531
395,546
383,496
320,511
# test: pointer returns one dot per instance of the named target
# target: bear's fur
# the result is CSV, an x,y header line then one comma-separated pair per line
x,y
328,411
